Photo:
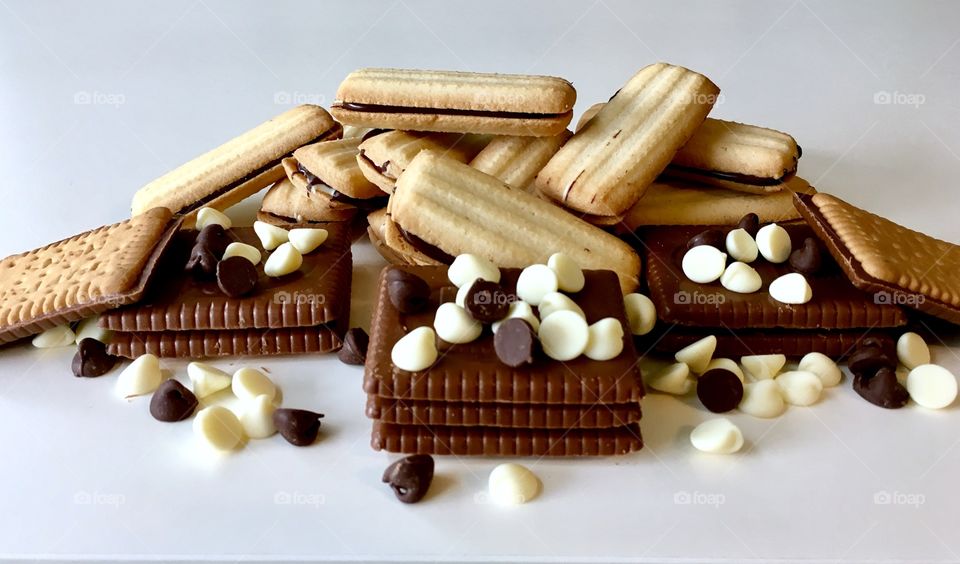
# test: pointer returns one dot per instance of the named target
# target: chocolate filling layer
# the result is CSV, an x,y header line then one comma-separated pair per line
x,y
382,168
315,183
733,176
436,253
440,111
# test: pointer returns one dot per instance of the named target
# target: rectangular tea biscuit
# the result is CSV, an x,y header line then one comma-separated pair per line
x,y
81,276
836,303
898,265
472,372
498,441
459,102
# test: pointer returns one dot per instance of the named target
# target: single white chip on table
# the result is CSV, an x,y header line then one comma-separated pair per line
x,y
306,239
534,282
244,250
416,350
641,313
932,386
569,275
249,383
741,246
912,350
270,235
704,264
763,366
218,427
512,484
466,268
90,328
697,355
741,278
762,399
207,379
717,436
799,387
141,377
674,379
564,335
791,289
210,216
522,310
285,260
555,301
257,417
454,325
773,242
604,339
59,336
823,366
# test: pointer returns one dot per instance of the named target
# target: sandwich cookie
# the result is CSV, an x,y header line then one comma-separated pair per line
x,y
383,157
458,102
517,160
239,168
286,203
332,167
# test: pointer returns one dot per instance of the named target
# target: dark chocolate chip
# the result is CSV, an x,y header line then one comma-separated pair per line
x,y
354,349
867,361
299,426
486,301
712,237
888,346
807,259
719,390
172,402
410,477
882,389
236,276
202,261
515,342
408,292
750,223
215,238
92,359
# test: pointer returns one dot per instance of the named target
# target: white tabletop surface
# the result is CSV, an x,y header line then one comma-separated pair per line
x,y
97,98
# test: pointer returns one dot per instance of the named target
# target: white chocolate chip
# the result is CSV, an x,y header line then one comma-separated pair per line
x,y
697,355
218,427
823,366
773,242
762,399
210,216
554,302
674,379
791,289
725,364
306,240
762,366
244,250
283,261
569,276
270,235
536,281
604,339
90,328
912,350
512,484
462,291
522,310
249,383
799,387
141,377
207,379
416,350
717,436
741,278
466,268
564,335
641,313
741,246
932,386
257,417
454,325
704,264
59,336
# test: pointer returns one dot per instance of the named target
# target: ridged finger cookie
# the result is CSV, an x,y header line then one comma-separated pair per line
x,y
383,157
517,160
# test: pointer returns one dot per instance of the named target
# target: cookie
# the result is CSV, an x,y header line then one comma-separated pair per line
x,y
793,343
411,249
376,225
517,160
331,167
458,102
895,264
239,168
289,203
383,157
606,166
458,209
81,276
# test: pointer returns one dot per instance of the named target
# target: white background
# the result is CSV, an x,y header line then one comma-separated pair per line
x,y
97,98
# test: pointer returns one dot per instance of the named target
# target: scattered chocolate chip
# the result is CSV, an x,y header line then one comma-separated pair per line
x,y
807,259
92,359
236,276
215,238
712,237
888,346
867,361
882,389
410,477
202,262
299,426
750,223
172,402
719,390
515,342
408,292
486,301
354,349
